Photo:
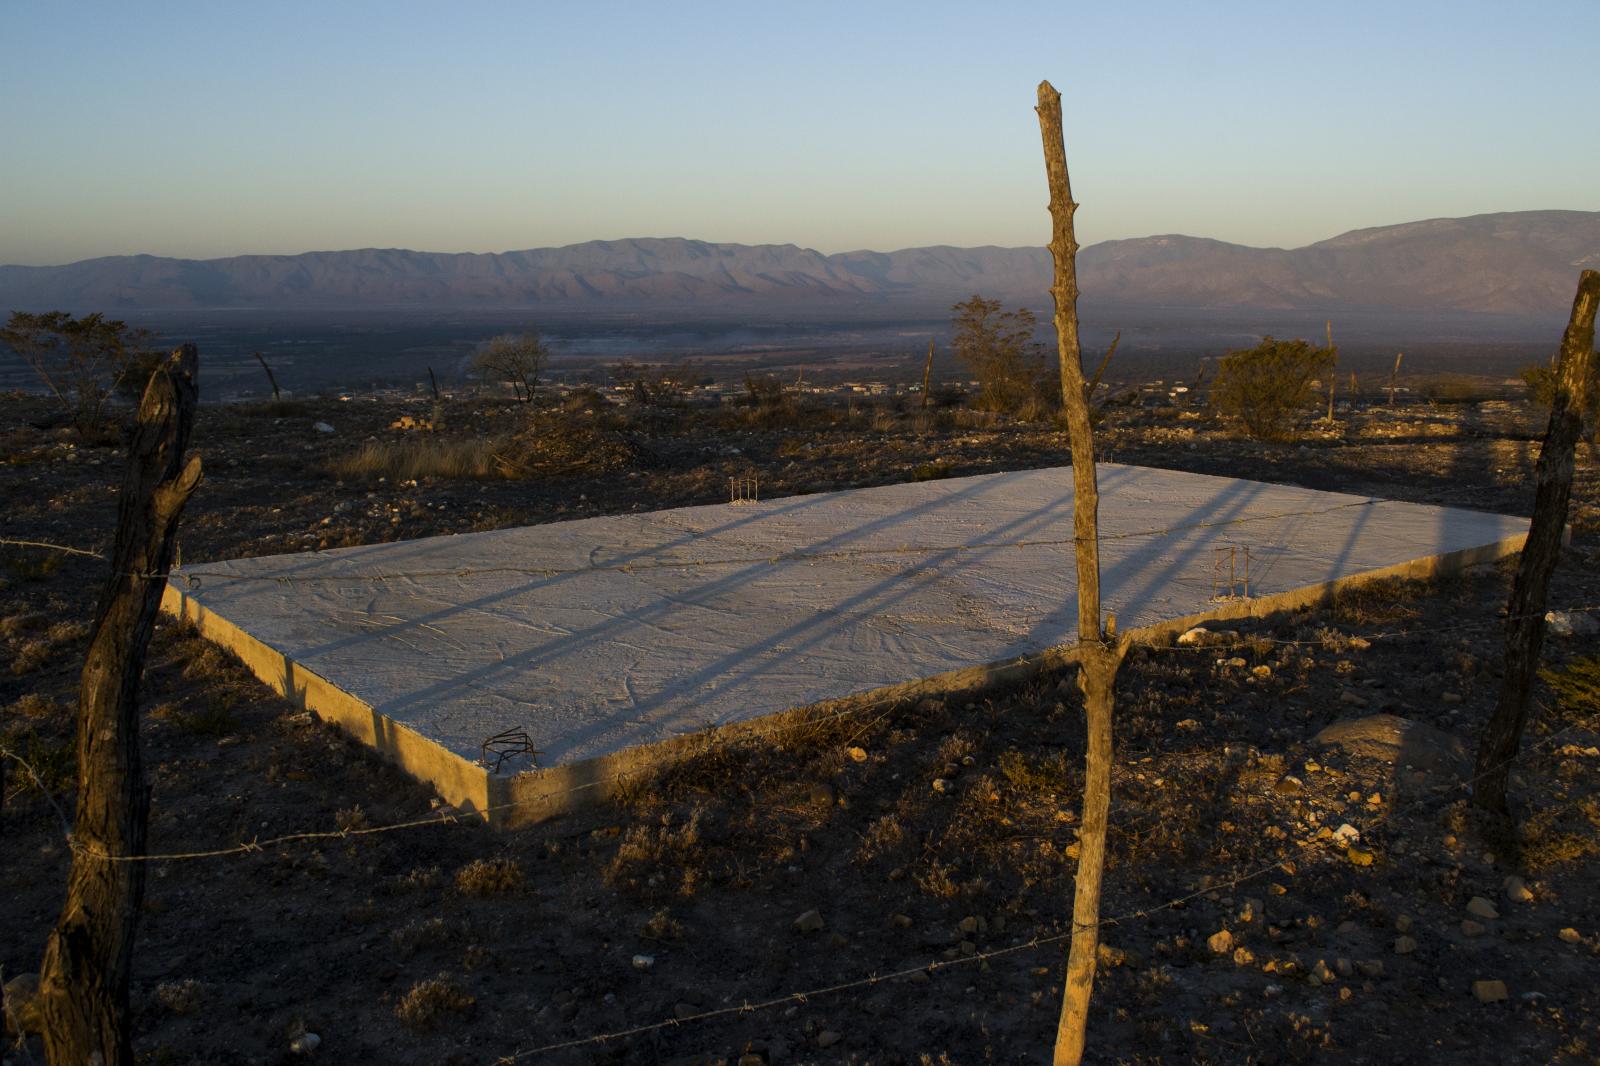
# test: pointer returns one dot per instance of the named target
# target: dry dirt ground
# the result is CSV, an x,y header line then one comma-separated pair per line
x,y
934,841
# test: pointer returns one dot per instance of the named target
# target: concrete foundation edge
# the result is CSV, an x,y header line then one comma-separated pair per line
x,y
533,796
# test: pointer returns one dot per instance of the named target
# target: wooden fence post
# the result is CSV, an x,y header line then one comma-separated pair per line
x,y
83,985
1502,736
1098,658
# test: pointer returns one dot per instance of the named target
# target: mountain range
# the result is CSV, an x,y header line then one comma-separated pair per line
x,y
1519,263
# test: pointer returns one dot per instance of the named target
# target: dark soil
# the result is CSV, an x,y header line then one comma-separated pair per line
x,y
942,832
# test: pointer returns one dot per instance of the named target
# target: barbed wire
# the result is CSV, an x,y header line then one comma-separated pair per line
x,y
458,816
38,783
41,545
1281,863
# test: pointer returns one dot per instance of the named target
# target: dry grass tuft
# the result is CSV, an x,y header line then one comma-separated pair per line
x,y
663,926
422,933
489,877
181,997
212,716
35,706
31,657
433,1002
1384,602
14,626
416,459
666,858
1562,835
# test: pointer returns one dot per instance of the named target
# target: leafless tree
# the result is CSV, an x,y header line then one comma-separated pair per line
x,y
516,358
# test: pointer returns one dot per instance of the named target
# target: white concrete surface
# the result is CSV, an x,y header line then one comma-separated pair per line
x,y
606,633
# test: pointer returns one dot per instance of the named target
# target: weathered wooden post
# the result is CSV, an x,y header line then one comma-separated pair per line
x,y
927,374
1333,379
1099,656
1502,736
83,984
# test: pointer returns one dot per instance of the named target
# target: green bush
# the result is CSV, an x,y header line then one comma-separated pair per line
x,y
1269,386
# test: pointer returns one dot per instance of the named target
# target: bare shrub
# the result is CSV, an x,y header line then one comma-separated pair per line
x,y
432,1002
489,877
653,858
34,705
31,657
662,926
350,819
420,934
883,836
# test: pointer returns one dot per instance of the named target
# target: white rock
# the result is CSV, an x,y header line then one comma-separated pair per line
x,y
322,427
643,962
304,1044
1347,834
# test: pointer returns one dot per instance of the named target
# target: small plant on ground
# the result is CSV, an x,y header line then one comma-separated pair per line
x,y
433,1002
181,997
1576,687
489,877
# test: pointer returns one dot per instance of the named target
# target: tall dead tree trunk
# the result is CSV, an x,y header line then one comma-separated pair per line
x,y
84,977
1099,653
927,373
1333,380
1502,736
1394,375
272,378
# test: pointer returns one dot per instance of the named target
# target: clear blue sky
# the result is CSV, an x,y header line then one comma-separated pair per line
x,y
216,128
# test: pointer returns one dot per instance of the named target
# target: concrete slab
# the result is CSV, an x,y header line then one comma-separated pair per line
x,y
611,640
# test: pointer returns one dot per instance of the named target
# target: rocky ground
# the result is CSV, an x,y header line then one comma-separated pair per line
x,y
1275,891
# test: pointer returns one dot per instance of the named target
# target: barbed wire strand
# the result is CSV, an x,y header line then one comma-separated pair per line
x,y
41,545
456,816
933,966
38,783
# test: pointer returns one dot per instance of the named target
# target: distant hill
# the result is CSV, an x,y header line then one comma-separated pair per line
x,y
1522,263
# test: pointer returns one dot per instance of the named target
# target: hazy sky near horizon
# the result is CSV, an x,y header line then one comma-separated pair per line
x,y
205,129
